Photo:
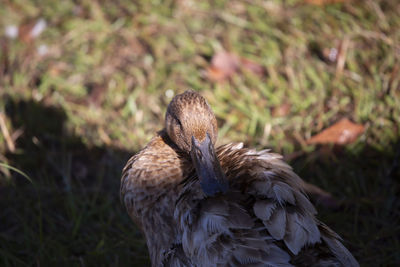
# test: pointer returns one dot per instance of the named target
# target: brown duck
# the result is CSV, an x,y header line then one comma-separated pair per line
x,y
198,205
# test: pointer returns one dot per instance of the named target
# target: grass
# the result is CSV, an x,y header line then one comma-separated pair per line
x,y
76,113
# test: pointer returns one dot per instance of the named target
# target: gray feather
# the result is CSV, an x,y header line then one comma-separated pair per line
x,y
341,253
277,224
263,209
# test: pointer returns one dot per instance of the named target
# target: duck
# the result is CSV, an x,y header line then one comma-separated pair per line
x,y
198,204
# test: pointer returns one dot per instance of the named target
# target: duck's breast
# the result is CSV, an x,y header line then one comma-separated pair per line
x,y
150,184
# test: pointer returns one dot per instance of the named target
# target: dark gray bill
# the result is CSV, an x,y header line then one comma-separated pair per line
x,y
212,179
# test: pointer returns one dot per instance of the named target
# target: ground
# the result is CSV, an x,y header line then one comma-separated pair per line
x,y
85,85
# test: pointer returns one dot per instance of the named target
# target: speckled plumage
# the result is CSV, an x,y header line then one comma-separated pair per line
x,y
264,219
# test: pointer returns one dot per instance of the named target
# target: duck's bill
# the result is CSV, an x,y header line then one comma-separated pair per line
x,y
208,169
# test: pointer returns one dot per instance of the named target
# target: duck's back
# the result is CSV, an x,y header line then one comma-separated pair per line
x,y
264,220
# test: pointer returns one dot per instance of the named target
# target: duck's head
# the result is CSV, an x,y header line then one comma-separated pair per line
x,y
191,125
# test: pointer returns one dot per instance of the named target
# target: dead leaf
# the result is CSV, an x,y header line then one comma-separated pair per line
x,y
341,133
30,30
323,2
226,64
223,65
215,74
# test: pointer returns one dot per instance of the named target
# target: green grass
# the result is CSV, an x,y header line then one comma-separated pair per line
x,y
78,112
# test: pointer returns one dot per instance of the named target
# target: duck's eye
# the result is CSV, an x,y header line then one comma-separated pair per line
x,y
178,122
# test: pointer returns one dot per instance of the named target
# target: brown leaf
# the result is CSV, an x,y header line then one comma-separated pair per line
x,y
226,64
216,74
31,30
323,2
24,31
341,133
223,65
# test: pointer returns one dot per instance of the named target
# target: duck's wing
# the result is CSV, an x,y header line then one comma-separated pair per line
x,y
264,220
176,257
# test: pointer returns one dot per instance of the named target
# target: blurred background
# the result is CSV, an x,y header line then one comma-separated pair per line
x,y
85,84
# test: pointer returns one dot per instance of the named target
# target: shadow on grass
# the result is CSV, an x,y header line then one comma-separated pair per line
x,y
365,182
72,214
